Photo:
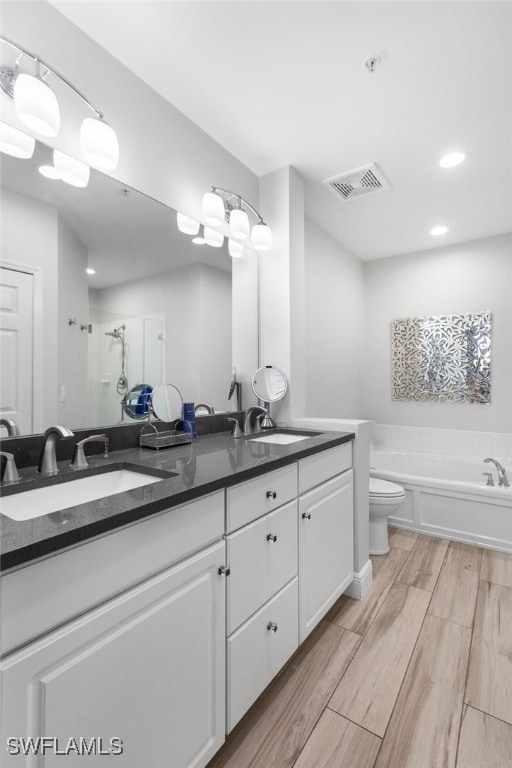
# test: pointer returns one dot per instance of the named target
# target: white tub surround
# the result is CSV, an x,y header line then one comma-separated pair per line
x,y
446,496
360,458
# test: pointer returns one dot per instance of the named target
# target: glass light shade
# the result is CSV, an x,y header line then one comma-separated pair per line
x,y
239,224
198,240
16,143
36,105
213,208
90,271
187,225
236,250
213,238
71,171
99,143
261,237
49,172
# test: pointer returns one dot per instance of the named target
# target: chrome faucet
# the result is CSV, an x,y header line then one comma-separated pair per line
x,y
248,414
502,475
48,458
209,408
9,472
11,426
79,460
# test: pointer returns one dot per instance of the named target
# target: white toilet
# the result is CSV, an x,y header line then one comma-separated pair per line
x,y
385,498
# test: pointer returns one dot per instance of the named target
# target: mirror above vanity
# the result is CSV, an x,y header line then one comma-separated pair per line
x,y
155,307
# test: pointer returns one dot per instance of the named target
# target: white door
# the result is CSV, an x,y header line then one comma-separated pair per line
x,y
16,347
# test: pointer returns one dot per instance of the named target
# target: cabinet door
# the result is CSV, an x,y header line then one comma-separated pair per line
x,y
262,558
147,668
326,559
257,651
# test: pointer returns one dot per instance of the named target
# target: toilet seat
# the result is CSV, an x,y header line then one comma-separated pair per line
x,y
383,489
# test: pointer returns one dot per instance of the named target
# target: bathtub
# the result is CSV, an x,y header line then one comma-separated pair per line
x,y
447,496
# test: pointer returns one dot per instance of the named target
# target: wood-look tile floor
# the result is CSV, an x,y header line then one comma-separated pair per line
x,y
417,674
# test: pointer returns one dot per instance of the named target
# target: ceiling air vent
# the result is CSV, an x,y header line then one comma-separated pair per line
x,y
358,183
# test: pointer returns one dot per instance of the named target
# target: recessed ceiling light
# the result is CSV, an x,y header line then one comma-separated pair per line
x,y
49,172
90,271
441,230
452,159
198,240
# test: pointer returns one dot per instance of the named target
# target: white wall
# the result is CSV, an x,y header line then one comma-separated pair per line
x,y
467,277
282,290
334,327
73,303
196,302
29,238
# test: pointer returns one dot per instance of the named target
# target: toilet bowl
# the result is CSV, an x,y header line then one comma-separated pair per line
x,y
385,499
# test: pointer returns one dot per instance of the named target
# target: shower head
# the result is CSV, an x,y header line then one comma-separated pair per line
x,y
116,333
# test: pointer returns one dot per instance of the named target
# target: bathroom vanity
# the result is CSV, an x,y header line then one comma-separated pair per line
x,y
162,629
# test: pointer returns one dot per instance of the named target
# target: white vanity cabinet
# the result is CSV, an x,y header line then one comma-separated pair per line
x,y
262,585
146,666
326,541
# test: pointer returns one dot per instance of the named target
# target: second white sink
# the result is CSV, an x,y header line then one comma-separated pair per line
x,y
281,438
27,505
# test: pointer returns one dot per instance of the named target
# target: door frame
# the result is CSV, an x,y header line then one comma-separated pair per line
x,y
37,337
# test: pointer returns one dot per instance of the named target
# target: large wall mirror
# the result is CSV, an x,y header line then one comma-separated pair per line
x,y
157,308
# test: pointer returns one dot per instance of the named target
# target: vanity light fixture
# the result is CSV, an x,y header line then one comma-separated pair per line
x,y
49,172
187,225
452,159
199,240
440,230
16,143
37,107
90,271
236,249
221,206
70,170
213,238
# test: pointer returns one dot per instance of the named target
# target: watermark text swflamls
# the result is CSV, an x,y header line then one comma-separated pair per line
x,y
41,745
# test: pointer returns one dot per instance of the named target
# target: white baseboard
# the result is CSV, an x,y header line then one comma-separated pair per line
x,y
361,582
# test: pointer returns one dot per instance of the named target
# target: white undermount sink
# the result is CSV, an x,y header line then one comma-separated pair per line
x,y
280,438
27,505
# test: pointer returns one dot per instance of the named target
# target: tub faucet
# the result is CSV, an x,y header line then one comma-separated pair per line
x,y
48,458
502,475
248,414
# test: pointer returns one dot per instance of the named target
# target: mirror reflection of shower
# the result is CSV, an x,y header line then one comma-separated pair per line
x,y
124,350
122,382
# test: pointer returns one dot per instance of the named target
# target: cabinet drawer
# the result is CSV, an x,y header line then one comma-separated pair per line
x,y
263,558
248,501
46,594
322,466
256,653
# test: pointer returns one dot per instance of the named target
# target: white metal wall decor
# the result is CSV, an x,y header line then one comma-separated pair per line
x,y
445,358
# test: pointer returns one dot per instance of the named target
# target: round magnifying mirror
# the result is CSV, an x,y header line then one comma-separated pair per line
x,y
166,402
269,384
136,402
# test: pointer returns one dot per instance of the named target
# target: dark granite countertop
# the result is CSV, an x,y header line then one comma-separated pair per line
x,y
210,463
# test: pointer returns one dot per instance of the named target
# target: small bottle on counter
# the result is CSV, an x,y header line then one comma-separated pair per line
x,y
189,416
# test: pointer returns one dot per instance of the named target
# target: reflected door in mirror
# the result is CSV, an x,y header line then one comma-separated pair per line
x,y
16,347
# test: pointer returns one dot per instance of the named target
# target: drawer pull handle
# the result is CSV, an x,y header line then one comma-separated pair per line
x,y
223,571
306,516
272,627
271,537
271,495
